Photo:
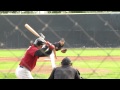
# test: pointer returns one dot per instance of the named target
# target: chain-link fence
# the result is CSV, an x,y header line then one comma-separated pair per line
x,y
81,31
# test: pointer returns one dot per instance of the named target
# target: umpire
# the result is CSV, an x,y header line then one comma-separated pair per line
x,y
65,71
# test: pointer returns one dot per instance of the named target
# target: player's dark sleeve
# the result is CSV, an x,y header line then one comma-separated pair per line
x,y
77,74
43,53
52,74
57,46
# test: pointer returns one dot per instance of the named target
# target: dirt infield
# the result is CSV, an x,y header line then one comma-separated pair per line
x,y
47,69
71,57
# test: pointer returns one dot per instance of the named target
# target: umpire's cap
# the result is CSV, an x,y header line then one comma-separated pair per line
x,y
66,61
38,42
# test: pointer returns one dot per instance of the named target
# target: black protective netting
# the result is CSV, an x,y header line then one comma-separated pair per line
x,y
80,31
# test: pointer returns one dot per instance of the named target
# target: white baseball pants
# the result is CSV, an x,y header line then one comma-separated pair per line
x,y
23,73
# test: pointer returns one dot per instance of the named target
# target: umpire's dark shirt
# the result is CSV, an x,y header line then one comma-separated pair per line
x,y
64,72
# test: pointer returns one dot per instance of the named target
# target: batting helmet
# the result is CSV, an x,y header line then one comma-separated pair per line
x,y
38,42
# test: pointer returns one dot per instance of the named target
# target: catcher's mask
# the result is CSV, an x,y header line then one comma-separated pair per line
x,y
38,42
66,61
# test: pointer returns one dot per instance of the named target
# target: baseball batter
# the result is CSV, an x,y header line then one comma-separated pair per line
x,y
29,60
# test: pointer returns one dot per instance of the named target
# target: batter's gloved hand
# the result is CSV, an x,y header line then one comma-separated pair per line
x,y
50,45
63,50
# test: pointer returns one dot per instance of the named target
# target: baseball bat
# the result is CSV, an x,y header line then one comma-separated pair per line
x,y
33,31
42,37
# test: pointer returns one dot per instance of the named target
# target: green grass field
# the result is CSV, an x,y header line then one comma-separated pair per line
x,y
70,52
91,69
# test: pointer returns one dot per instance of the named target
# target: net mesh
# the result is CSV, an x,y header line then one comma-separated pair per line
x,y
91,34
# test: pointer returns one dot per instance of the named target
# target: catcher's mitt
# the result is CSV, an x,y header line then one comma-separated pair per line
x,y
63,50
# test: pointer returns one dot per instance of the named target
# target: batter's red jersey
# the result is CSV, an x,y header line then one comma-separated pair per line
x,y
29,60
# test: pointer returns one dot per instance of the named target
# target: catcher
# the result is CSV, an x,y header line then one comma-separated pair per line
x,y
65,71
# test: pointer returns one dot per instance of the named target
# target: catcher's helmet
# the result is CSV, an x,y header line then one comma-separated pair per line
x,y
66,61
38,42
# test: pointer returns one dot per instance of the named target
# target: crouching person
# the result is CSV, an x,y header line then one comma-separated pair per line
x,y
65,71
